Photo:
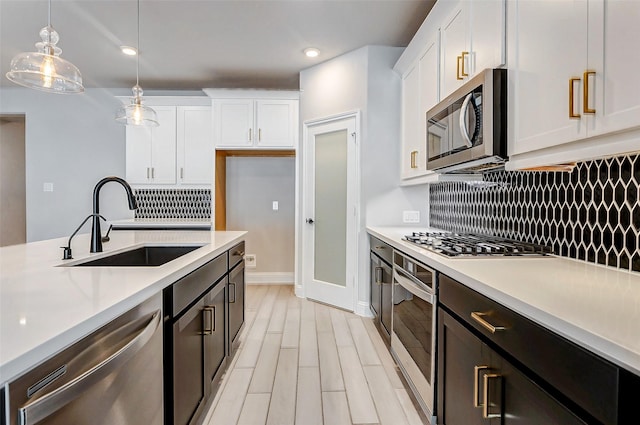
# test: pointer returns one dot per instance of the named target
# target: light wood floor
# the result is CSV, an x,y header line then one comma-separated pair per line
x,y
305,363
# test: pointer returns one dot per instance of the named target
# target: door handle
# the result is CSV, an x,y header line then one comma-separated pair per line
x,y
585,93
309,220
234,292
476,384
462,122
212,320
486,402
572,114
378,275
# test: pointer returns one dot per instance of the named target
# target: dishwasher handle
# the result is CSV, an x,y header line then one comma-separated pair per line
x,y
51,402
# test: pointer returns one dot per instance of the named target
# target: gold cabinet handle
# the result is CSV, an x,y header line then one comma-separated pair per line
x,y
572,114
458,59
250,135
378,275
476,384
212,320
414,162
259,134
486,401
478,317
585,93
463,73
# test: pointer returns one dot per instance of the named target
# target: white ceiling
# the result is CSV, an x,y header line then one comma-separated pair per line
x,y
191,44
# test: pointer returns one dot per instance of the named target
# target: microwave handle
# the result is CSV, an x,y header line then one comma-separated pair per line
x,y
463,115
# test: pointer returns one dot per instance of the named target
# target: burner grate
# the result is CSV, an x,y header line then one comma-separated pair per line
x,y
468,244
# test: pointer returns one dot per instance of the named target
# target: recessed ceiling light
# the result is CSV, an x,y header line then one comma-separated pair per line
x,y
128,50
311,52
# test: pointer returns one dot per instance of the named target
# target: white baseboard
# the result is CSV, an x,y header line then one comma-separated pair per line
x,y
269,278
362,309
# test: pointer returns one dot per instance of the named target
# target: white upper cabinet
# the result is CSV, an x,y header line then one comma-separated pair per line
x,y
151,151
571,78
413,150
256,123
614,58
177,152
195,145
472,39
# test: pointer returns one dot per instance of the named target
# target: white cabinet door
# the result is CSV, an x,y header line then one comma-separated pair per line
x,y
138,159
195,145
429,97
411,123
276,123
163,146
234,122
614,88
550,48
488,38
454,47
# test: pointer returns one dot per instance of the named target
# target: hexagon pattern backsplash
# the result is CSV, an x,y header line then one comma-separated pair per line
x,y
591,213
181,204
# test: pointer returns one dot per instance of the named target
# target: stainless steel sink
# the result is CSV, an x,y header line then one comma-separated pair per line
x,y
146,256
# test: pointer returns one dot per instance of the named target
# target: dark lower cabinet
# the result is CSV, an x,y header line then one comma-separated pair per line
x,y
380,287
497,367
236,290
478,386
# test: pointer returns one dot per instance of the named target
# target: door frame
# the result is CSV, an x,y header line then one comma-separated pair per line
x,y
300,287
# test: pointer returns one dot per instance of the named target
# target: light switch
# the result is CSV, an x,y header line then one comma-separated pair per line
x,y
47,187
275,205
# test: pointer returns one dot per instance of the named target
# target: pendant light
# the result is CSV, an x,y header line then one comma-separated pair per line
x,y
136,113
45,70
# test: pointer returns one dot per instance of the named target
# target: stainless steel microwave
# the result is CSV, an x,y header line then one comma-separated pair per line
x,y
467,131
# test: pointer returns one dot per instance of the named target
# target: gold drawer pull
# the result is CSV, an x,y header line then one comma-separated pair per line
x,y
478,317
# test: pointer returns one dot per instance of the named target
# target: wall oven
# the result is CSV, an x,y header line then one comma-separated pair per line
x,y
413,326
467,131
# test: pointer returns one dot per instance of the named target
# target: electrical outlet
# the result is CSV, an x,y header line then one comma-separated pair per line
x,y
250,261
411,216
47,187
275,205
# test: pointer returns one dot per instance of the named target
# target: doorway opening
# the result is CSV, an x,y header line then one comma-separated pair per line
x,y
13,205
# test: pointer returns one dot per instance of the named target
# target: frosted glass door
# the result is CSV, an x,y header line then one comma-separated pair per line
x,y
330,239
331,210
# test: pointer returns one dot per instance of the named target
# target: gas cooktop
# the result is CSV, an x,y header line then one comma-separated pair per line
x,y
468,245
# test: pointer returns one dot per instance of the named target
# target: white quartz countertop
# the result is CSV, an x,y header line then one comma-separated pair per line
x,y
596,307
46,306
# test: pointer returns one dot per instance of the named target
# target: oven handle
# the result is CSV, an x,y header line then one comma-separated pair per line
x,y
410,286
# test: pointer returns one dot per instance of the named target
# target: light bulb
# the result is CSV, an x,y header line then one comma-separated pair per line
x,y
48,71
137,115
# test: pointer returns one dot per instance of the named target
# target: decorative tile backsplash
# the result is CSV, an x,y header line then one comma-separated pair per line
x,y
591,213
174,203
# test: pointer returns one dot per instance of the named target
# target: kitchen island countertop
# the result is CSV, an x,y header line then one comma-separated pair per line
x,y
594,306
45,305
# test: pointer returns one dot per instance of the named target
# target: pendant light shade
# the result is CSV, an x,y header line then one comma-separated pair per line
x,y
136,113
45,70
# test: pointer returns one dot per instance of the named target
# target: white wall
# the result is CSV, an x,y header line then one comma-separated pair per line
x,y
364,80
253,183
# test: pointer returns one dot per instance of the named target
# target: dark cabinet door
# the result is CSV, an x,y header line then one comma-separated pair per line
x,y
478,386
386,298
214,331
188,363
236,291
460,355
375,286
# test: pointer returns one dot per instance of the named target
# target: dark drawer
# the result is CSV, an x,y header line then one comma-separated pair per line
x,y
236,254
381,249
190,287
584,378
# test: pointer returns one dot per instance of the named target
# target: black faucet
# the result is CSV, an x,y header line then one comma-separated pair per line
x,y
96,233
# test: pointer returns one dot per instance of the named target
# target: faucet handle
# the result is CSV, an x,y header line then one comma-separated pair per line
x,y
67,253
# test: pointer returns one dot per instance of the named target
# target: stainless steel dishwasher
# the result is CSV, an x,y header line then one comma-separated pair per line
x,y
113,376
